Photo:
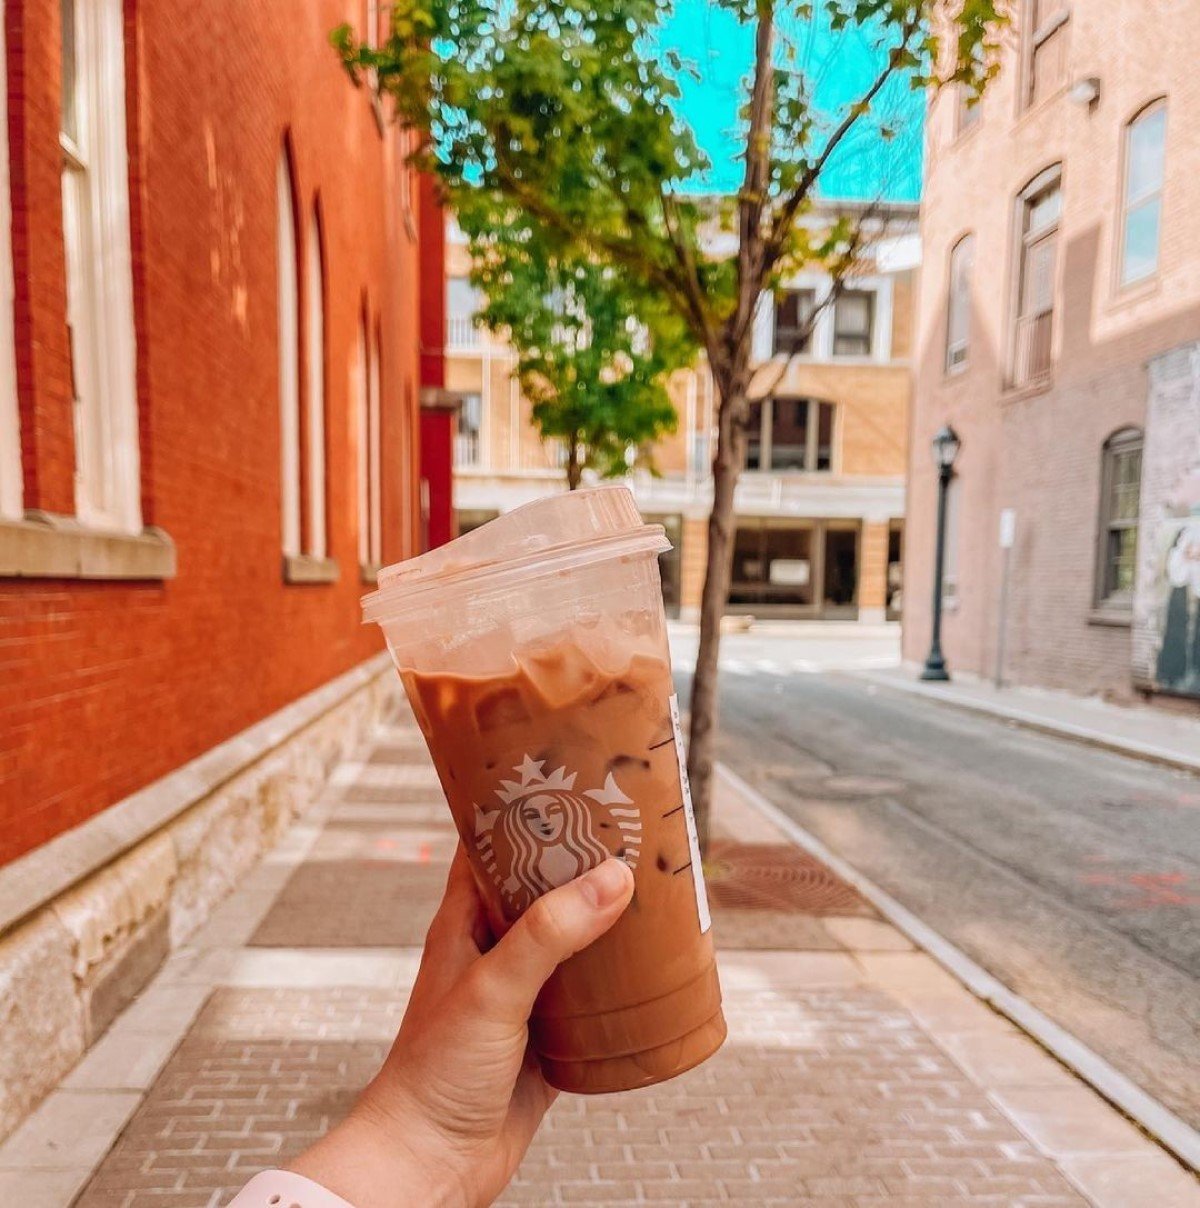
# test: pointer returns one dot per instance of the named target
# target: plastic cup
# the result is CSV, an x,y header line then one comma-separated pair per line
x,y
534,655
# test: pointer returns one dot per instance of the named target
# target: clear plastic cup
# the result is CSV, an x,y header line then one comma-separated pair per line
x,y
534,654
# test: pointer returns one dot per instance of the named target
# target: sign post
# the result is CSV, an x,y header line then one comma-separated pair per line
x,y
1008,535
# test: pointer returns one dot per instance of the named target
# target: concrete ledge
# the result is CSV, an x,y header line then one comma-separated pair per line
x,y
47,546
304,568
35,879
90,917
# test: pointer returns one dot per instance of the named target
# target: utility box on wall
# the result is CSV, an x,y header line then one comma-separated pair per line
x,y
1166,624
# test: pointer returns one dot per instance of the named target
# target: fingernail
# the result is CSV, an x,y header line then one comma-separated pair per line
x,y
605,883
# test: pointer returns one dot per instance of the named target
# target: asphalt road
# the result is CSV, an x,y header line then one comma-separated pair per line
x,y
1071,874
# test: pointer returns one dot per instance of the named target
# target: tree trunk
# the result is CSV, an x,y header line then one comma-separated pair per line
x,y
727,468
574,467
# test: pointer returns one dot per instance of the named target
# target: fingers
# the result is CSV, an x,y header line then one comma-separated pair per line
x,y
452,944
559,924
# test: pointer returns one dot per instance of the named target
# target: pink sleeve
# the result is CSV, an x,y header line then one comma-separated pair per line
x,y
282,1189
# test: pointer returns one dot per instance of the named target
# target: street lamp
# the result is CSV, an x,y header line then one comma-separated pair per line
x,y
945,449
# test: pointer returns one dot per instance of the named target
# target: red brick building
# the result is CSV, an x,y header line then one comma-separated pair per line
x,y
1059,298
210,388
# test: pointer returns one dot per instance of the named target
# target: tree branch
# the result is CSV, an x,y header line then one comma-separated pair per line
x,y
839,273
752,196
698,308
785,215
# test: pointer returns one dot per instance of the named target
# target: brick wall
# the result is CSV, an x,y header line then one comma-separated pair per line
x,y
1039,451
106,686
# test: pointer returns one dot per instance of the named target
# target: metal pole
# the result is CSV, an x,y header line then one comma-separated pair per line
x,y
935,663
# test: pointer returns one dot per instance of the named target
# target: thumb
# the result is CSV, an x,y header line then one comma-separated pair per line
x,y
559,924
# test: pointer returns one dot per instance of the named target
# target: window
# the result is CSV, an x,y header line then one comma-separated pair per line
x,y
853,323
462,304
366,394
1040,208
1141,210
315,343
1046,49
958,305
99,264
790,434
1120,488
470,424
289,356
773,564
11,492
793,322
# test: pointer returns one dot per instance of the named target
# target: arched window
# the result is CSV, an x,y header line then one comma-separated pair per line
x,y
958,304
1039,209
1120,491
1141,198
289,356
366,390
12,501
99,264
315,361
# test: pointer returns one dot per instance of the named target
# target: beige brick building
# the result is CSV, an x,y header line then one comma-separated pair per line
x,y
1061,279
821,505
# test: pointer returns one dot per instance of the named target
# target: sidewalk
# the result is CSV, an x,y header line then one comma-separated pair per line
x,y
857,1072
1141,731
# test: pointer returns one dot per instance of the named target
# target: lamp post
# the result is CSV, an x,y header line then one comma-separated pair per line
x,y
945,449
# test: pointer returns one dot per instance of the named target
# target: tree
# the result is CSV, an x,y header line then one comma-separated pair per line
x,y
594,351
567,109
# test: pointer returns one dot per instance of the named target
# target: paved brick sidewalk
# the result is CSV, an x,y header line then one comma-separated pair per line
x,y
856,1073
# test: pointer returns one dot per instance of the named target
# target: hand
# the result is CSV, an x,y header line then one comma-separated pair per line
x,y
450,1116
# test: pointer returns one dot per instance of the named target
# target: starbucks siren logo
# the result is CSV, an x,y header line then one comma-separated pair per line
x,y
544,833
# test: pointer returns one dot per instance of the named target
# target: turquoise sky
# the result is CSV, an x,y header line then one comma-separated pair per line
x,y
841,66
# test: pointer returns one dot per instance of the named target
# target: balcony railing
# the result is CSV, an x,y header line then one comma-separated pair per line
x,y
461,333
1031,355
466,449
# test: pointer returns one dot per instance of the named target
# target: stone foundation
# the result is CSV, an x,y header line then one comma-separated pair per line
x,y
74,962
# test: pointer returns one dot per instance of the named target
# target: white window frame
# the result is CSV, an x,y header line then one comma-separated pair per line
x,y
314,339
376,459
370,463
12,493
1026,240
958,352
360,391
99,275
821,349
288,285
1128,205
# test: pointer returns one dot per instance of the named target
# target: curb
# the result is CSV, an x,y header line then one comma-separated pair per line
x,y
1159,1122
1129,747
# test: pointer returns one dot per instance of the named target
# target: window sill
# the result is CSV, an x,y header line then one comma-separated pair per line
x,y
1018,394
305,568
369,573
1125,296
48,546
1111,617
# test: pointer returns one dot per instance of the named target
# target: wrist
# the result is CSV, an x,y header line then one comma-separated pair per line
x,y
375,1161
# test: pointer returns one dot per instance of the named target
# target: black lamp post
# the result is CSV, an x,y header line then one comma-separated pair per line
x,y
945,449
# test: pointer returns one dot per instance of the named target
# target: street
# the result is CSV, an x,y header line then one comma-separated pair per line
x,y
1071,874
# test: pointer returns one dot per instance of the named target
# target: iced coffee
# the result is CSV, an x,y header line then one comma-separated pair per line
x,y
555,735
